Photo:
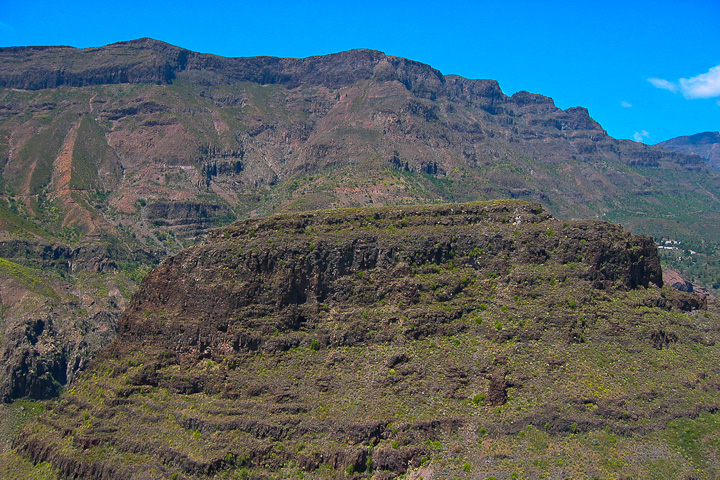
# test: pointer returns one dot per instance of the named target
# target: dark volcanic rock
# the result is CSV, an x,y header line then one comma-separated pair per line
x,y
50,328
150,61
290,281
187,219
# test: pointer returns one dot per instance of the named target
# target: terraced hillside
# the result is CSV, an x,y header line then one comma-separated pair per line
x,y
454,341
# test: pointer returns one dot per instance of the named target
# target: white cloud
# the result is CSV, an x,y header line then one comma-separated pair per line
x,y
664,84
625,104
640,136
705,85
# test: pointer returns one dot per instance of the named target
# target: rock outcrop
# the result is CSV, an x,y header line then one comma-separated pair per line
x,y
51,325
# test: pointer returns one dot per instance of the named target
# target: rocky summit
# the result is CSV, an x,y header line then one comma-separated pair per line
x,y
451,341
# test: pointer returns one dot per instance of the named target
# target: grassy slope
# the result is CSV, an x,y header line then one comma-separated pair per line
x,y
13,418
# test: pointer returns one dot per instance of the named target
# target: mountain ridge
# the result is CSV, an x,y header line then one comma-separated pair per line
x,y
706,145
308,69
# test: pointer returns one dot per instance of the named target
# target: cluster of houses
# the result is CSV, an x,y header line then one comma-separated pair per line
x,y
668,244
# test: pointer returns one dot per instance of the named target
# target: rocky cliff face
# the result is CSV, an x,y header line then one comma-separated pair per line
x,y
150,61
53,326
59,306
368,343
311,268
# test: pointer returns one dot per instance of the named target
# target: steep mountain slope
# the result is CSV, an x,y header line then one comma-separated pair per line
x,y
706,145
697,255
463,340
198,136
136,149
51,328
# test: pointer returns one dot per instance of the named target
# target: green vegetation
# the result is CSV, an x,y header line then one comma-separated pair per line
x,y
697,259
13,417
39,152
30,278
84,173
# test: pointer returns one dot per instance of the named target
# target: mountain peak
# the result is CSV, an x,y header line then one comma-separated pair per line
x,y
144,42
698,138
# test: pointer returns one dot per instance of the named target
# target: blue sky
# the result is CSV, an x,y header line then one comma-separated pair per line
x,y
648,70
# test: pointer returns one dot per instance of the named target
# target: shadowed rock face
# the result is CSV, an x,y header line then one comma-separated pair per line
x,y
293,278
366,342
151,61
50,328
675,280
